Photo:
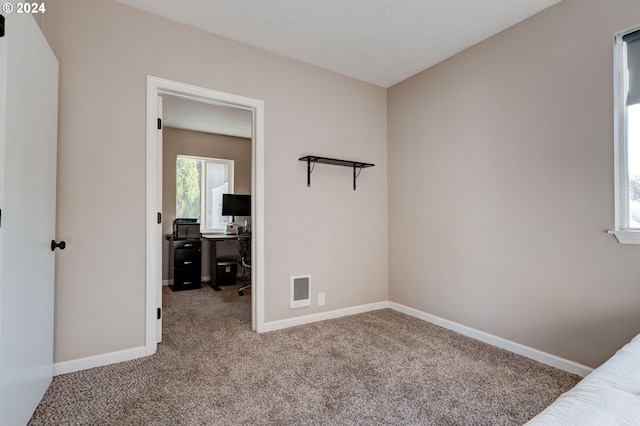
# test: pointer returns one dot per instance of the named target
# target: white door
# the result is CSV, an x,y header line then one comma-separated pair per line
x,y
28,145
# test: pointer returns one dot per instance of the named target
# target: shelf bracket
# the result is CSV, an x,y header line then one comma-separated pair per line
x,y
355,176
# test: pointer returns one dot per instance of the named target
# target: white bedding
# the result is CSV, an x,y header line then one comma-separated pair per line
x,y
610,395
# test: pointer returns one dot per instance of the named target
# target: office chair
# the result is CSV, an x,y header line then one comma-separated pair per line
x,y
245,262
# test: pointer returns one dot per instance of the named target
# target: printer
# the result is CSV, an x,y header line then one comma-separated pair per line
x,y
186,229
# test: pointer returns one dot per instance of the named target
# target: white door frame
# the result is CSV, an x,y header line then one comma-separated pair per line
x,y
157,86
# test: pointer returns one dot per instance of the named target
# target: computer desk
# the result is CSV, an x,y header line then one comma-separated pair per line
x,y
213,241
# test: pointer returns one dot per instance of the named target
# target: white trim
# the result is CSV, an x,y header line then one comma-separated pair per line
x,y
619,141
205,280
98,360
258,282
626,236
159,174
622,230
619,145
517,348
323,316
157,86
534,354
154,230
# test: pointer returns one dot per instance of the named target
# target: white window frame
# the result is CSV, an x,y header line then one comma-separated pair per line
x,y
623,232
203,189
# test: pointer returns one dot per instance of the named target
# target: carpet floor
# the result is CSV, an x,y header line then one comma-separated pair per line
x,y
376,368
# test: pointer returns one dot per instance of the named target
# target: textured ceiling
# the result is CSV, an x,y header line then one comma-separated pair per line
x,y
379,41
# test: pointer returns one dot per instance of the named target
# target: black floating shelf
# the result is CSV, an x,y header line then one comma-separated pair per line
x,y
356,165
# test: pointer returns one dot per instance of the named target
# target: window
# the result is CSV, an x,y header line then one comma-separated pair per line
x,y
200,183
627,64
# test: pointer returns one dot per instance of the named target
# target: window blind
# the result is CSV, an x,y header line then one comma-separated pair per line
x,y
632,41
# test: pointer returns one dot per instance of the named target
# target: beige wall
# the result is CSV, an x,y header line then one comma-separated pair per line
x,y
500,178
186,142
501,171
339,236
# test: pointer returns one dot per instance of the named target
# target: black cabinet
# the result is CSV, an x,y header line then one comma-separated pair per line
x,y
187,263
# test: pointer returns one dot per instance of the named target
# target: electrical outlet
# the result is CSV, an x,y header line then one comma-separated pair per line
x,y
321,299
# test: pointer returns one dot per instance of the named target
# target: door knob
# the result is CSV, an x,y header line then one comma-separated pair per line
x,y
61,245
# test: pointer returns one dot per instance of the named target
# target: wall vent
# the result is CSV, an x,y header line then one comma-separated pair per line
x,y
300,291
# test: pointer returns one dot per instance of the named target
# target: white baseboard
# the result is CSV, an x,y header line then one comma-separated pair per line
x,y
322,316
140,351
98,360
543,357
204,279
536,355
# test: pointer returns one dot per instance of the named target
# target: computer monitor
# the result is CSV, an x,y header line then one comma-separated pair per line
x,y
236,205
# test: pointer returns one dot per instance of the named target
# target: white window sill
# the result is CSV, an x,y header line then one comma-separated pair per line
x,y
626,236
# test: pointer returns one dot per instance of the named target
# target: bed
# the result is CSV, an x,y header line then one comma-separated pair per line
x,y
609,395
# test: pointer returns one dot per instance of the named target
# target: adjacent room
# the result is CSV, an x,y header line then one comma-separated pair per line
x,y
298,212
206,194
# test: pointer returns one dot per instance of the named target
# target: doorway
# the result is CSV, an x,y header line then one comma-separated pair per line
x,y
157,87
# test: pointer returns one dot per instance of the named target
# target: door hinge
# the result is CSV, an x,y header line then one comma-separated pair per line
x,y
159,123
1,25
159,313
159,217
